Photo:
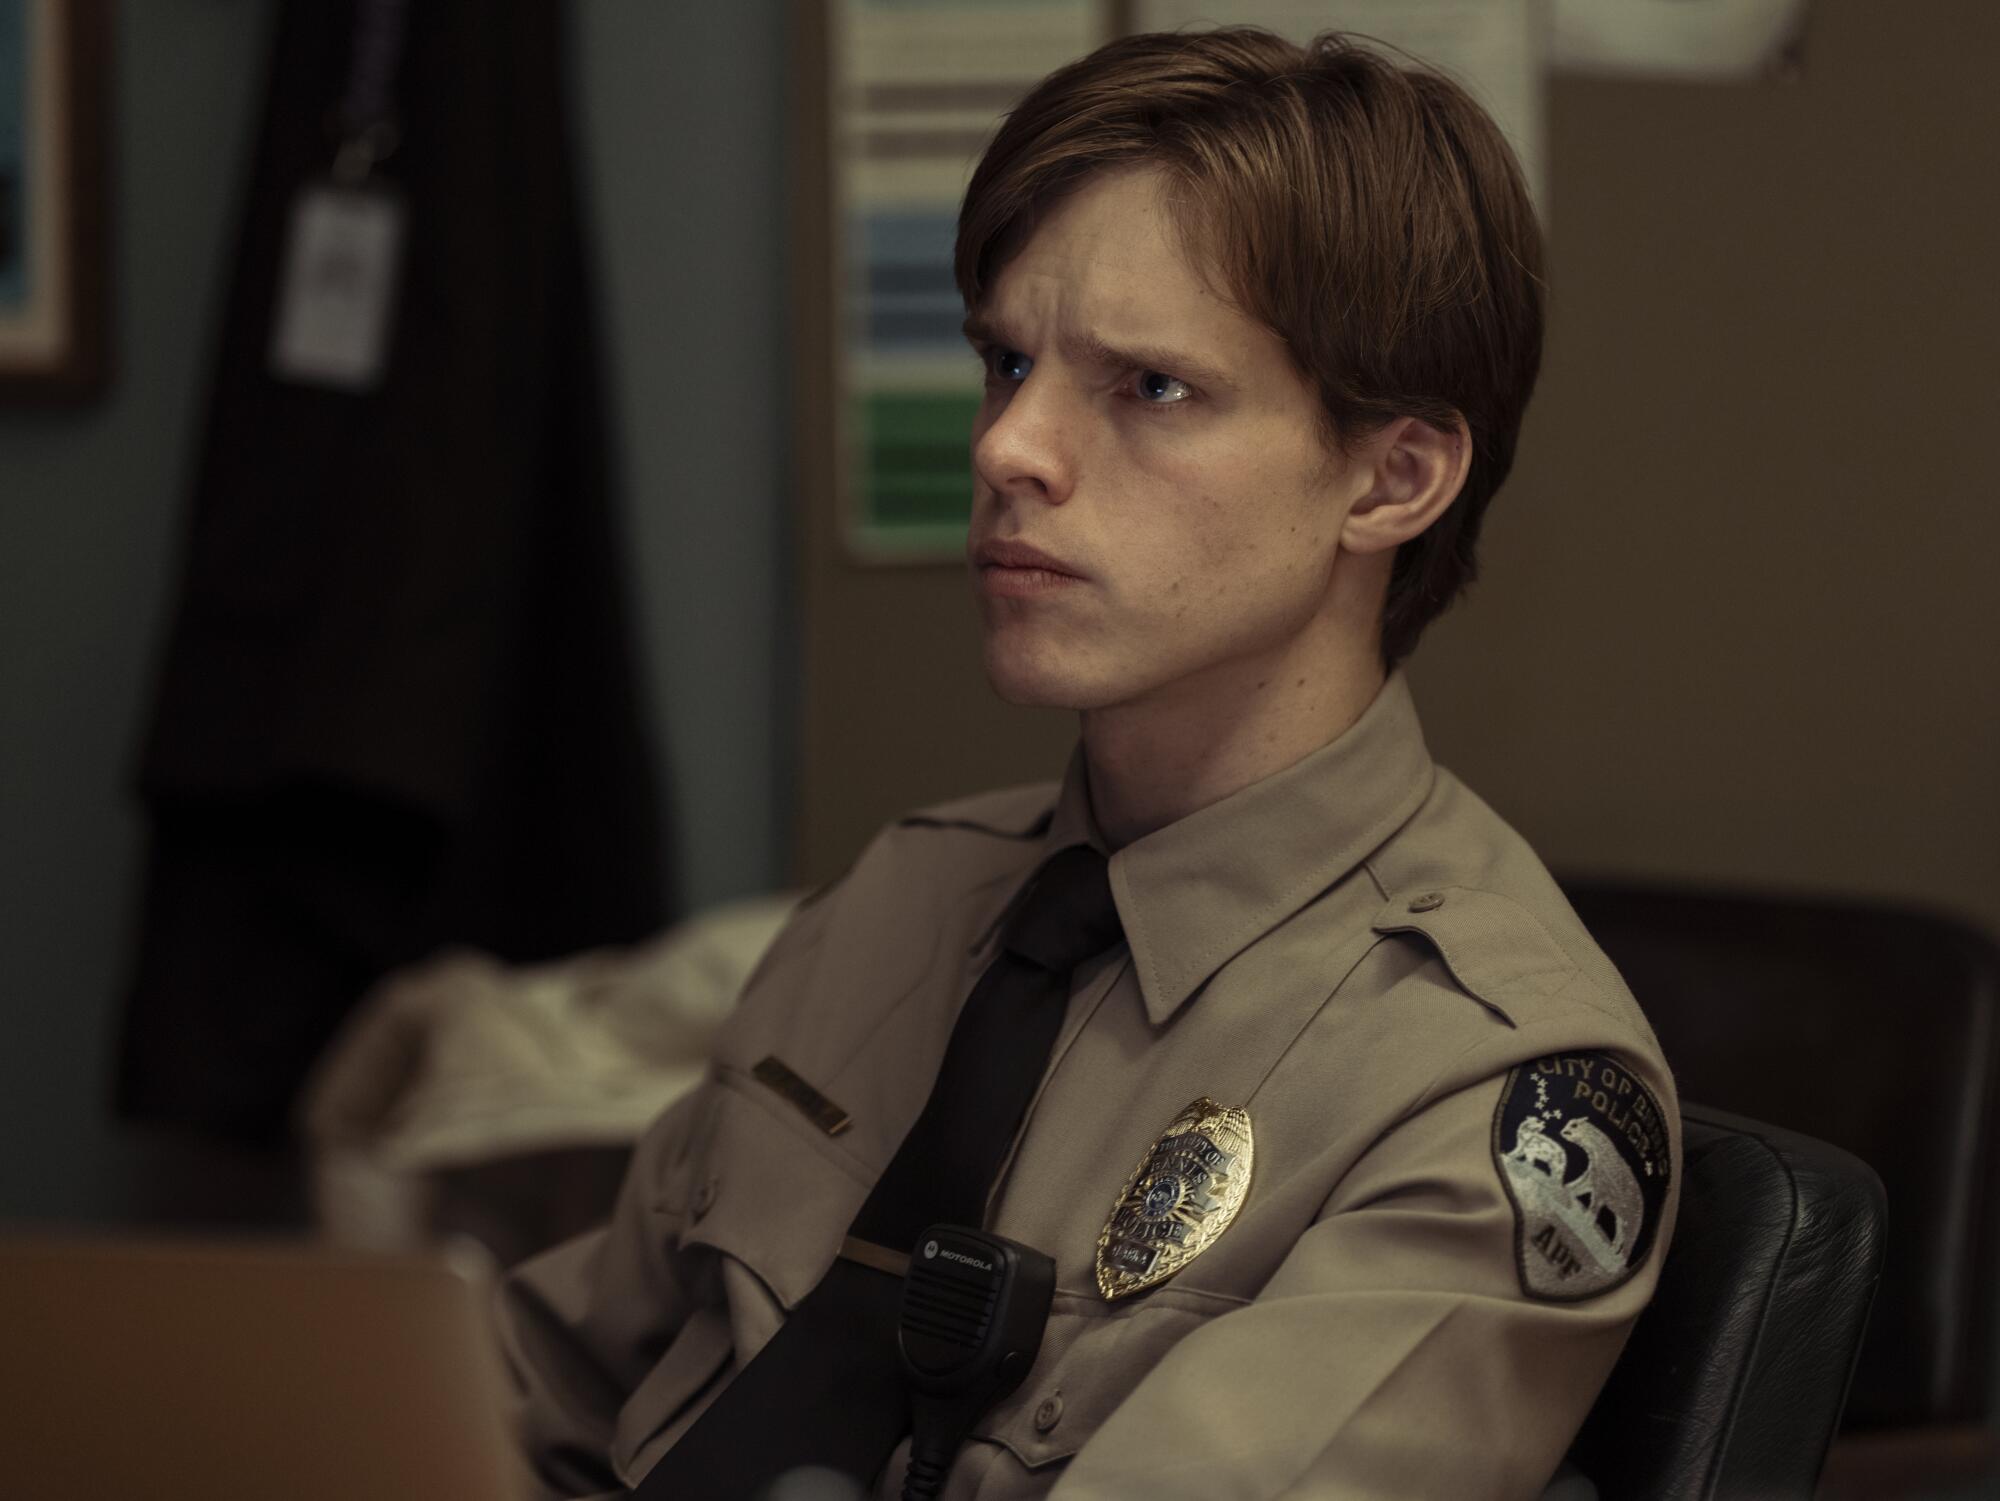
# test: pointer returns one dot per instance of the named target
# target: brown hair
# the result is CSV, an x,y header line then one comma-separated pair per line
x,y
1370,214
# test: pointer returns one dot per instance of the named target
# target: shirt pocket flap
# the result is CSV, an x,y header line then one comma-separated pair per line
x,y
771,1192
1088,1365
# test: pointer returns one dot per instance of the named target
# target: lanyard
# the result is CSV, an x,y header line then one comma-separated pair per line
x,y
333,323
365,121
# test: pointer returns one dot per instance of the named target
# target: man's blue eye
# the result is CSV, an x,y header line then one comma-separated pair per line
x,y
995,358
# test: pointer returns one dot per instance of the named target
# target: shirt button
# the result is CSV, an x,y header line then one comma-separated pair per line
x,y
1049,1413
704,1197
1427,902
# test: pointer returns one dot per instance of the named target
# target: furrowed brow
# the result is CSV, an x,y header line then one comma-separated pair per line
x,y
1095,350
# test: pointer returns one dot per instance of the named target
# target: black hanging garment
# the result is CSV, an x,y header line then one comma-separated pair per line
x,y
398,707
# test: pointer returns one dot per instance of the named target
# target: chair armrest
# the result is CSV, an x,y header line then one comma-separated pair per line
x,y
1735,1375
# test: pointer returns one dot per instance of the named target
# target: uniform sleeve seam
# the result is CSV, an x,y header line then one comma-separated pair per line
x,y
1591,996
1429,1094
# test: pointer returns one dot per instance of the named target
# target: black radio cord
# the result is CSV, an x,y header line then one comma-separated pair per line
x,y
930,1462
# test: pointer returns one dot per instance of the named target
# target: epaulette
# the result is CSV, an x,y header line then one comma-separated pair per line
x,y
1014,813
1007,813
1498,952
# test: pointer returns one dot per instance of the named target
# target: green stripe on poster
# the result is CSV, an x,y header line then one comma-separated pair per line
x,y
915,460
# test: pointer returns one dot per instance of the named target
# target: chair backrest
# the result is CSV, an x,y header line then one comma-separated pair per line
x,y
1870,1027
1732,1383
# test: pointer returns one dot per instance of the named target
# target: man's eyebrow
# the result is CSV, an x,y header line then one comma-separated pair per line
x,y
1093,349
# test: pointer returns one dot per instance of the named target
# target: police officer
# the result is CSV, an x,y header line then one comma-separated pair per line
x,y
1355,1157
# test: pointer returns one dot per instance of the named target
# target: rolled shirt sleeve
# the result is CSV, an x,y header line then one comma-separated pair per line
x,y
583,1323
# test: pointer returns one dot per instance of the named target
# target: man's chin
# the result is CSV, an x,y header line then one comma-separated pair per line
x,y
1036,686
1029,695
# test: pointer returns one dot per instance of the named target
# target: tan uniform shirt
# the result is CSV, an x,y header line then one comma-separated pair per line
x,y
1357,952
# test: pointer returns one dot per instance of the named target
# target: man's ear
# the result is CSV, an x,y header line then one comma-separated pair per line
x,y
1417,471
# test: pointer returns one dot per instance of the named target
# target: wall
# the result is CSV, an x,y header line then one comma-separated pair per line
x,y
1739,618
1736,619
684,112
682,134
89,503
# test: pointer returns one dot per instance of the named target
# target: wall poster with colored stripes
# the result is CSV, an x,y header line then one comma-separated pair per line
x,y
918,88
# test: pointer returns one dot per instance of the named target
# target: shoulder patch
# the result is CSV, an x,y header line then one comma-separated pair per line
x,y
1581,1148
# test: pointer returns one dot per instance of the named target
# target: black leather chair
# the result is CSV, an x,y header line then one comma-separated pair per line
x,y
1877,1029
1732,1383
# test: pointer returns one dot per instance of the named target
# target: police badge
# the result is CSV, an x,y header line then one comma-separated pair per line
x,y
1178,1201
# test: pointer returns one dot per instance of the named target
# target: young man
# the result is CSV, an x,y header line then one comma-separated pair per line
x,y
1355,1158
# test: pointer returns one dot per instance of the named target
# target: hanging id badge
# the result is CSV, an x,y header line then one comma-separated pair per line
x,y
337,289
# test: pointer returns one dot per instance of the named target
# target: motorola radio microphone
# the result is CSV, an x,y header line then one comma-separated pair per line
x,y
974,1307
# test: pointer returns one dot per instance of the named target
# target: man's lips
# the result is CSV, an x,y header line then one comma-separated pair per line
x,y
998,553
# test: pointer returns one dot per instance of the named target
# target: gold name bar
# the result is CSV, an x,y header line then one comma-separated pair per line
x,y
815,1106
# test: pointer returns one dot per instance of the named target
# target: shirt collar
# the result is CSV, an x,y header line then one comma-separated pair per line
x,y
1196,893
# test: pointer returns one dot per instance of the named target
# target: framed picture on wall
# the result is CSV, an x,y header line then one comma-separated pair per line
x,y
54,94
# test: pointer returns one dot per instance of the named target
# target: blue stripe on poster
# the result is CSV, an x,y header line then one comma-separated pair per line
x,y
902,276
13,153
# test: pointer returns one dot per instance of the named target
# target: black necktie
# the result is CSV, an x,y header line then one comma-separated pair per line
x,y
828,1388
